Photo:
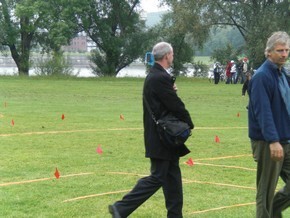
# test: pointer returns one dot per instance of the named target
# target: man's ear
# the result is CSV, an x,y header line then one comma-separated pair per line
x,y
166,56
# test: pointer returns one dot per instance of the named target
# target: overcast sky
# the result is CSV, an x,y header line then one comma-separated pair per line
x,y
151,6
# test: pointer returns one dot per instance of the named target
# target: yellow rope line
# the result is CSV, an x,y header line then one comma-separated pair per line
x,y
101,130
225,157
23,182
140,175
220,128
221,158
187,181
225,166
125,173
67,131
222,208
41,179
95,195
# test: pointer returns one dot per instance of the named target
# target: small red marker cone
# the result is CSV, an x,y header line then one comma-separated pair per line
x,y
122,117
217,139
99,150
62,116
12,122
56,173
189,162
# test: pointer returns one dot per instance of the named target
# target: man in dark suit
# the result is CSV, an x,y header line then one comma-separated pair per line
x,y
160,92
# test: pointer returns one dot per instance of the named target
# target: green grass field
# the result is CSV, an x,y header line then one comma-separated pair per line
x,y
35,140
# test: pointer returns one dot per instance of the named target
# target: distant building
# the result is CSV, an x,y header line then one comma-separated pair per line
x,y
91,44
77,44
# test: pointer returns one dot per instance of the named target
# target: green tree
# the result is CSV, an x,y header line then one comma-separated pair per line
x,y
254,19
219,38
182,33
224,55
27,23
117,30
17,31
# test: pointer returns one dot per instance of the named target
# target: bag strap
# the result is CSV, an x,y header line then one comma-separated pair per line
x,y
149,109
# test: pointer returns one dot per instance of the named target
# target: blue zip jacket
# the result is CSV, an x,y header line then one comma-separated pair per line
x,y
268,117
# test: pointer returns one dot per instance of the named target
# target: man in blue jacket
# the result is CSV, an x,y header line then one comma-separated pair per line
x,y
269,127
160,92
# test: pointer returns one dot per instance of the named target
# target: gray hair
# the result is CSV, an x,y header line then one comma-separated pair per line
x,y
161,49
277,38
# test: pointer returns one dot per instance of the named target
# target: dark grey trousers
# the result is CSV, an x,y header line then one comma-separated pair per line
x,y
269,204
165,174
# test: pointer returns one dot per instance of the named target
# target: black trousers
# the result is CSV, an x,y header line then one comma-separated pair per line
x,y
165,174
216,78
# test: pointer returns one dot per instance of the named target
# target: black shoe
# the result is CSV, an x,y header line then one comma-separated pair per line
x,y
113,210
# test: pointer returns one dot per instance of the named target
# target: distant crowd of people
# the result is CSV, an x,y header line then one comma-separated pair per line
x,y
234,73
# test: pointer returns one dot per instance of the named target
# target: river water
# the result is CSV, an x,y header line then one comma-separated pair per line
x,y
135,70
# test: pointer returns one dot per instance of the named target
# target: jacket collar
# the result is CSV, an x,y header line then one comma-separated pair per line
x,y
159,67
274,68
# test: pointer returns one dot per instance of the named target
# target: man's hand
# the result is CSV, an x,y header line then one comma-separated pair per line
x,y
175,87
276,150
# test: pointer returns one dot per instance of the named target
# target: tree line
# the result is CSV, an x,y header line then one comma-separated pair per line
x,y
119,32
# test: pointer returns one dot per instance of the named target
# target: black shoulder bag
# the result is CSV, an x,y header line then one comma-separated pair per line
x,y
172,131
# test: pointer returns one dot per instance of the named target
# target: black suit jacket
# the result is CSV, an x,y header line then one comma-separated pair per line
x,y
162,98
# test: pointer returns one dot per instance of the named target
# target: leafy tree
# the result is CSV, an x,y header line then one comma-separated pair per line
x,y
116,28
224,55
17,32
57,26
219,39
26,23
254,19
182,33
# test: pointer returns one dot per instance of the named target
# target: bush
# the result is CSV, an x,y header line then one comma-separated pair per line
x,y
53,65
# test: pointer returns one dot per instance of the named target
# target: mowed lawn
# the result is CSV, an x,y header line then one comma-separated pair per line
x,y
91,131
